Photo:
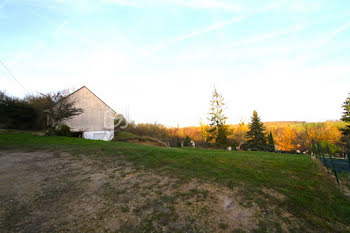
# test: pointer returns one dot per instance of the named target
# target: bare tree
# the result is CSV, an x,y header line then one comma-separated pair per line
x,y
59,108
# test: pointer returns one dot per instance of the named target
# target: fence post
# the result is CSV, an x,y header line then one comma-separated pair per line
x,y
333,167
324,159
314,148
321,154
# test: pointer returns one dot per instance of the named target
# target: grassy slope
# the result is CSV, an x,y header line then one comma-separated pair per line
x,y
309,194
130,137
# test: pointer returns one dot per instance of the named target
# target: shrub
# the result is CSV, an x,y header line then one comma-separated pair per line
x,y
187,141
64,130
146,129
16,113
333,148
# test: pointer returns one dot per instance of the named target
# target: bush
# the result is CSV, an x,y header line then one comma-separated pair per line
x,y
64,130
152,130
333,148
16,113
187,141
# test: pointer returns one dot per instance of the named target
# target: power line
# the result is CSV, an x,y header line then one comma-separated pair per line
x,y
11,74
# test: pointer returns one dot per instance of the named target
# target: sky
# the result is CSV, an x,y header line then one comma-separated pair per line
x,y
159,60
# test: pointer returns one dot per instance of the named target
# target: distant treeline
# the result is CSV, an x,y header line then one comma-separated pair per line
x,y
288,136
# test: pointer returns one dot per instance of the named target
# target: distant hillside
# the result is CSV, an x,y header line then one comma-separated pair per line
x,y
282,123
299,123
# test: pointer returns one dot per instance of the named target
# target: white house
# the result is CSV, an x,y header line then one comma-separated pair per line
x,y
97,120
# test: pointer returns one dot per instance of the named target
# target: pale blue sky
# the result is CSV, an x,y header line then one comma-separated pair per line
x,y
289,60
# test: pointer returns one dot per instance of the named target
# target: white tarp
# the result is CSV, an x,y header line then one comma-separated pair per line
x,y
99,135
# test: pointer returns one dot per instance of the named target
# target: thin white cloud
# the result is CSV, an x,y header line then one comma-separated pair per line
x,y
304,6
198,32
85,39
123,2
314,51
265,36
271,6
341,29
311,51
203,4
60,27
216,26
212,5
38,46
331,35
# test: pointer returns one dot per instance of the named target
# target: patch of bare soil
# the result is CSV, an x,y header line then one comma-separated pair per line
x,y
58,192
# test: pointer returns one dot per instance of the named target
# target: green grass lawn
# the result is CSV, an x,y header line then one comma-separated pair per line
x,y
310,194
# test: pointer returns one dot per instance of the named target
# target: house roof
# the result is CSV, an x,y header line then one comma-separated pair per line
x,y
93,94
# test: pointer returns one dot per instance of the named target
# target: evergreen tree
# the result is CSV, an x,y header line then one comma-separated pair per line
x,y
271,143
217,131
187,141
346,118
256,135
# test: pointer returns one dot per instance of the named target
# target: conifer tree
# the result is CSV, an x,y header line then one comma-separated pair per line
x,y
256,135
187,141
271,143
217,131
346,118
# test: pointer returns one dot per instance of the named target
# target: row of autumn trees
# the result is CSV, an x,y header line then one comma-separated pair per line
x,y
287,136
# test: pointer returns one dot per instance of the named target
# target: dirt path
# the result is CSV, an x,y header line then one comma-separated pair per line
x,y
57,192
